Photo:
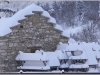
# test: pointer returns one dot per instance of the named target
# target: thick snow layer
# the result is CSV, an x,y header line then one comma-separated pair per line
x,y
34,67
97,54
64,65
90,54
99,65
6,23
61,54
71,41
61,46
95,46
37,51
4,26
34,63
53,59
59,27
57,71
52,20
79,66
93,70
69,31
74,47
32,56
86,48
82,56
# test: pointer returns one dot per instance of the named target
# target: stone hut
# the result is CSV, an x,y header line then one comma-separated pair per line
x,y
32,33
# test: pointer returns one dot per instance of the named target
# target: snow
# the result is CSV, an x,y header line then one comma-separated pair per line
x,y
61,54
97,54
96,46
57,71
53,59
71,40
79,66
31,56
4,29
64,65
90,54
33,67
82,56
61,46
50,72
37,51
99,65
92,70
59,27
34,60
73,47
34,63
13,21
85,51
47,56
21,71
52,20
67,32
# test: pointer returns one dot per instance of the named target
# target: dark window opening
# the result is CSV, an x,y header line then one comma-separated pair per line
x,y
33,49
80,13
21,26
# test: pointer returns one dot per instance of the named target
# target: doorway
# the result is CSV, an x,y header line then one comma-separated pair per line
x,y
34,48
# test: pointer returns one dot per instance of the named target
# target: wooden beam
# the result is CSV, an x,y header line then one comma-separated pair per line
x,y
84,61
65,60
95,66
72,53
75,61
44,63
60,61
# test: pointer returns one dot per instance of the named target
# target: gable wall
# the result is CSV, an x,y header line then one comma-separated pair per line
x,y
36,31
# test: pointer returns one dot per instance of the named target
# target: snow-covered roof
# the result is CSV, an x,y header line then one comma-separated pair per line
x,y
61,46
6,23
79,66
93,70
31,56
82,56
97,53
90,53
34,67
85,48
71,30
61,54
37,65
73,47
53,59
95,46
64,65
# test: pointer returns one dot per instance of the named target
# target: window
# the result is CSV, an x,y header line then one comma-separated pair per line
x,y
21,26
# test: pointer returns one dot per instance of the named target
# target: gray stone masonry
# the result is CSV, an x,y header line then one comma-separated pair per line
x,y
34,30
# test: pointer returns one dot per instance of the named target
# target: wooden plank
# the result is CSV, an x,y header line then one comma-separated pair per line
x,y
44,63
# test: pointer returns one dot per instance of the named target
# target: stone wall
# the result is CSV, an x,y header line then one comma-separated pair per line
x,y
32,31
